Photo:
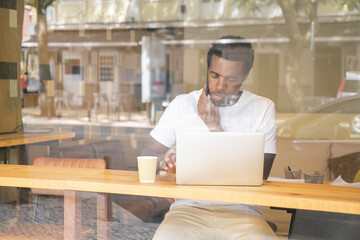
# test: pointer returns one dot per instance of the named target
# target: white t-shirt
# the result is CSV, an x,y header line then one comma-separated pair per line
x,y
251,113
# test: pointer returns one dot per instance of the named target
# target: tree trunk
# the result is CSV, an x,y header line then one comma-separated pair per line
x,y
298,42
47,96
292,80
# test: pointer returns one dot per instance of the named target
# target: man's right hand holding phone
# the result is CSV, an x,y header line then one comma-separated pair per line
x,y
209,113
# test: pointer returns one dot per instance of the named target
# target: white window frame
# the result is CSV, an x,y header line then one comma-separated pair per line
x,y
114,56
77,56
108,1
72,1
158,0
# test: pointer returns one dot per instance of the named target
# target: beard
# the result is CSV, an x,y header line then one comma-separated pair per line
x,y
224,100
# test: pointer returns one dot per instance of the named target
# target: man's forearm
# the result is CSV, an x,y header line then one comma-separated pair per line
x,y
268,162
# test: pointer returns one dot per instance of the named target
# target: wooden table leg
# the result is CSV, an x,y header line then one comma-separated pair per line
x,y
72,216
24,193
102,217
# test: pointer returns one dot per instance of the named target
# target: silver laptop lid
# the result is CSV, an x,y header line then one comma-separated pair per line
x,y
220,158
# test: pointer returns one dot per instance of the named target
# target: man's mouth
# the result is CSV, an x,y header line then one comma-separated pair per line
x,y
221,99
217,96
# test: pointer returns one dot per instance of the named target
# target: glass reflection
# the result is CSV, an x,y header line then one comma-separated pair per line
x,y
106,70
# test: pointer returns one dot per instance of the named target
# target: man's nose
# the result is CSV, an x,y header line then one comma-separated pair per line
x,y
221,83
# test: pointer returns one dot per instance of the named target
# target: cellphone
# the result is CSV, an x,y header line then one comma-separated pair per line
x,y
207,90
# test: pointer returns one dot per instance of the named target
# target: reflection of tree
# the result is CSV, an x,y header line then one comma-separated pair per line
x,y
298,39
47,100
47,105
298,42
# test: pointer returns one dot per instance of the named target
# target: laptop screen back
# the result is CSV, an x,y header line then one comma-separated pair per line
x,y
219,158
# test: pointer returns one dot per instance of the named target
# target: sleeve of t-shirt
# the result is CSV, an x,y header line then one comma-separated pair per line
x,y
268,127
164,131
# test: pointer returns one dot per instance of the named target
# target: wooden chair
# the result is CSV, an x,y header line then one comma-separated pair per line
x,y
77,151
347,166
35,230
112,152
357,177
145,208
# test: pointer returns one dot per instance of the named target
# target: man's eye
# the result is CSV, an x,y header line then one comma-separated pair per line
x,y
232,79
214,75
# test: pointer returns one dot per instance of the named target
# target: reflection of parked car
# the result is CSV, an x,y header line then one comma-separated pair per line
x,y
349,85
308,140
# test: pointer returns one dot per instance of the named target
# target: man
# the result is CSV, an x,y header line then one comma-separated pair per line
x,y
220,106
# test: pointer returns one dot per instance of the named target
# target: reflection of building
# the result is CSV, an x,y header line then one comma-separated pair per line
x,y
95,47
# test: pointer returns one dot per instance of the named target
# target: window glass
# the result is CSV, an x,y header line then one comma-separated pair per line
x,y
91,80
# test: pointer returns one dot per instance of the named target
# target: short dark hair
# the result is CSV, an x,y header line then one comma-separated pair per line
x,y
233,48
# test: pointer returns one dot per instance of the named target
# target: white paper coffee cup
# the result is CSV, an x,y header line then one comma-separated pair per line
x,y
147,168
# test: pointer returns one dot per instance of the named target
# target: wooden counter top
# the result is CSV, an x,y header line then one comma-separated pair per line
x,y
14,139
272,193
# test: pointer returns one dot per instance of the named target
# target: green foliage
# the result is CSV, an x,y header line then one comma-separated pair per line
x,y
254,6
353,5
300,6
40,4
30,2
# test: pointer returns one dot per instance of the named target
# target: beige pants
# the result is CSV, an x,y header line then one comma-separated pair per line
x,y
212,222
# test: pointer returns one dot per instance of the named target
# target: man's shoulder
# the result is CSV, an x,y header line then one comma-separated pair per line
x,y
257,98
184,102
188,97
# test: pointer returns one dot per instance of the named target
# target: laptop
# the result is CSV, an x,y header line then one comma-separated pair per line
x,y
220,158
